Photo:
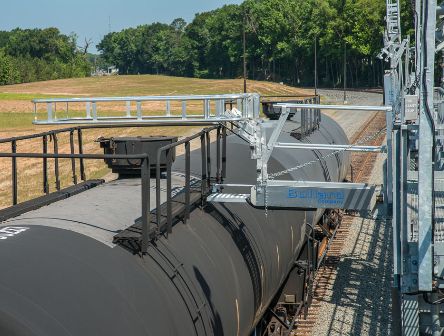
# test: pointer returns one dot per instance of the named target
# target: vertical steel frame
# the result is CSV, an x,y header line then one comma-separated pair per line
x,y
426,149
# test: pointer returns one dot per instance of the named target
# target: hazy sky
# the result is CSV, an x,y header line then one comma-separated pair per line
x,y
90,18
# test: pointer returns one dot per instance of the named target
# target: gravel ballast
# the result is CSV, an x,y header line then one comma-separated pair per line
x,y
357,300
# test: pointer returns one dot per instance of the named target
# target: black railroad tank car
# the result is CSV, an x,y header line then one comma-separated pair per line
x,y
216,275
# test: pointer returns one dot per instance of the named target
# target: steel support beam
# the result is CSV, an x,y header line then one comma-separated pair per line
x,y
426,149
346,148
339,107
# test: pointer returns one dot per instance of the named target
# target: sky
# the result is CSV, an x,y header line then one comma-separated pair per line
x,y
92,19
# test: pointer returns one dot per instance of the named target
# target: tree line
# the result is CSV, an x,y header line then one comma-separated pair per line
x,y
28,55
280,39
280,43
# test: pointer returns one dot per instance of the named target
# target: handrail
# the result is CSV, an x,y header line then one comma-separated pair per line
x,y
247,107
205,173
140,98
145,177
339,107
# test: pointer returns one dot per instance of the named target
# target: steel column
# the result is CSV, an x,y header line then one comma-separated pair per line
x,y
426,151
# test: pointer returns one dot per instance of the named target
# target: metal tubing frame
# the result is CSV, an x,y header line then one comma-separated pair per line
x,y
204,166
204,136
14,173
56,161
145,178
224,152
187,181
52,135
218,161
45,166
80,147
208,147
426,155
249,110
347,148
73,160
169,152
146,216
339,107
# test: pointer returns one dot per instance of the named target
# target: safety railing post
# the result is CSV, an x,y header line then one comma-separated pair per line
x,y
45,166
145,204
81,160
208,140
184,109
169,156
168,108
187,181
224,152
94,111
128,109
203,152
139,110
14,173
56,160
49,111
218,158
158,189
73,160
88,110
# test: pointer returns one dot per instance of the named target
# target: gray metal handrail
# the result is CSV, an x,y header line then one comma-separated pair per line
x,y
140,98
234,107
205,180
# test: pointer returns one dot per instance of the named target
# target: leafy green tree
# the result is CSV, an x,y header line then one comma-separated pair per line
x,y
40,54
8,72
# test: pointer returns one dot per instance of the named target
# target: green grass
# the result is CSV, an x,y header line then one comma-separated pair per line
x,y
16,120
26,96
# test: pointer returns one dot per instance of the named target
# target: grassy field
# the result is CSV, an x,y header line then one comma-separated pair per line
x,y
16,119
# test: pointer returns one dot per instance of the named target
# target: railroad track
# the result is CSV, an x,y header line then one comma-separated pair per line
x,y
362,167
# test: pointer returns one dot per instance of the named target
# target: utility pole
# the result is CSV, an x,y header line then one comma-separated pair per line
x,y
245,54
316,65
345,72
